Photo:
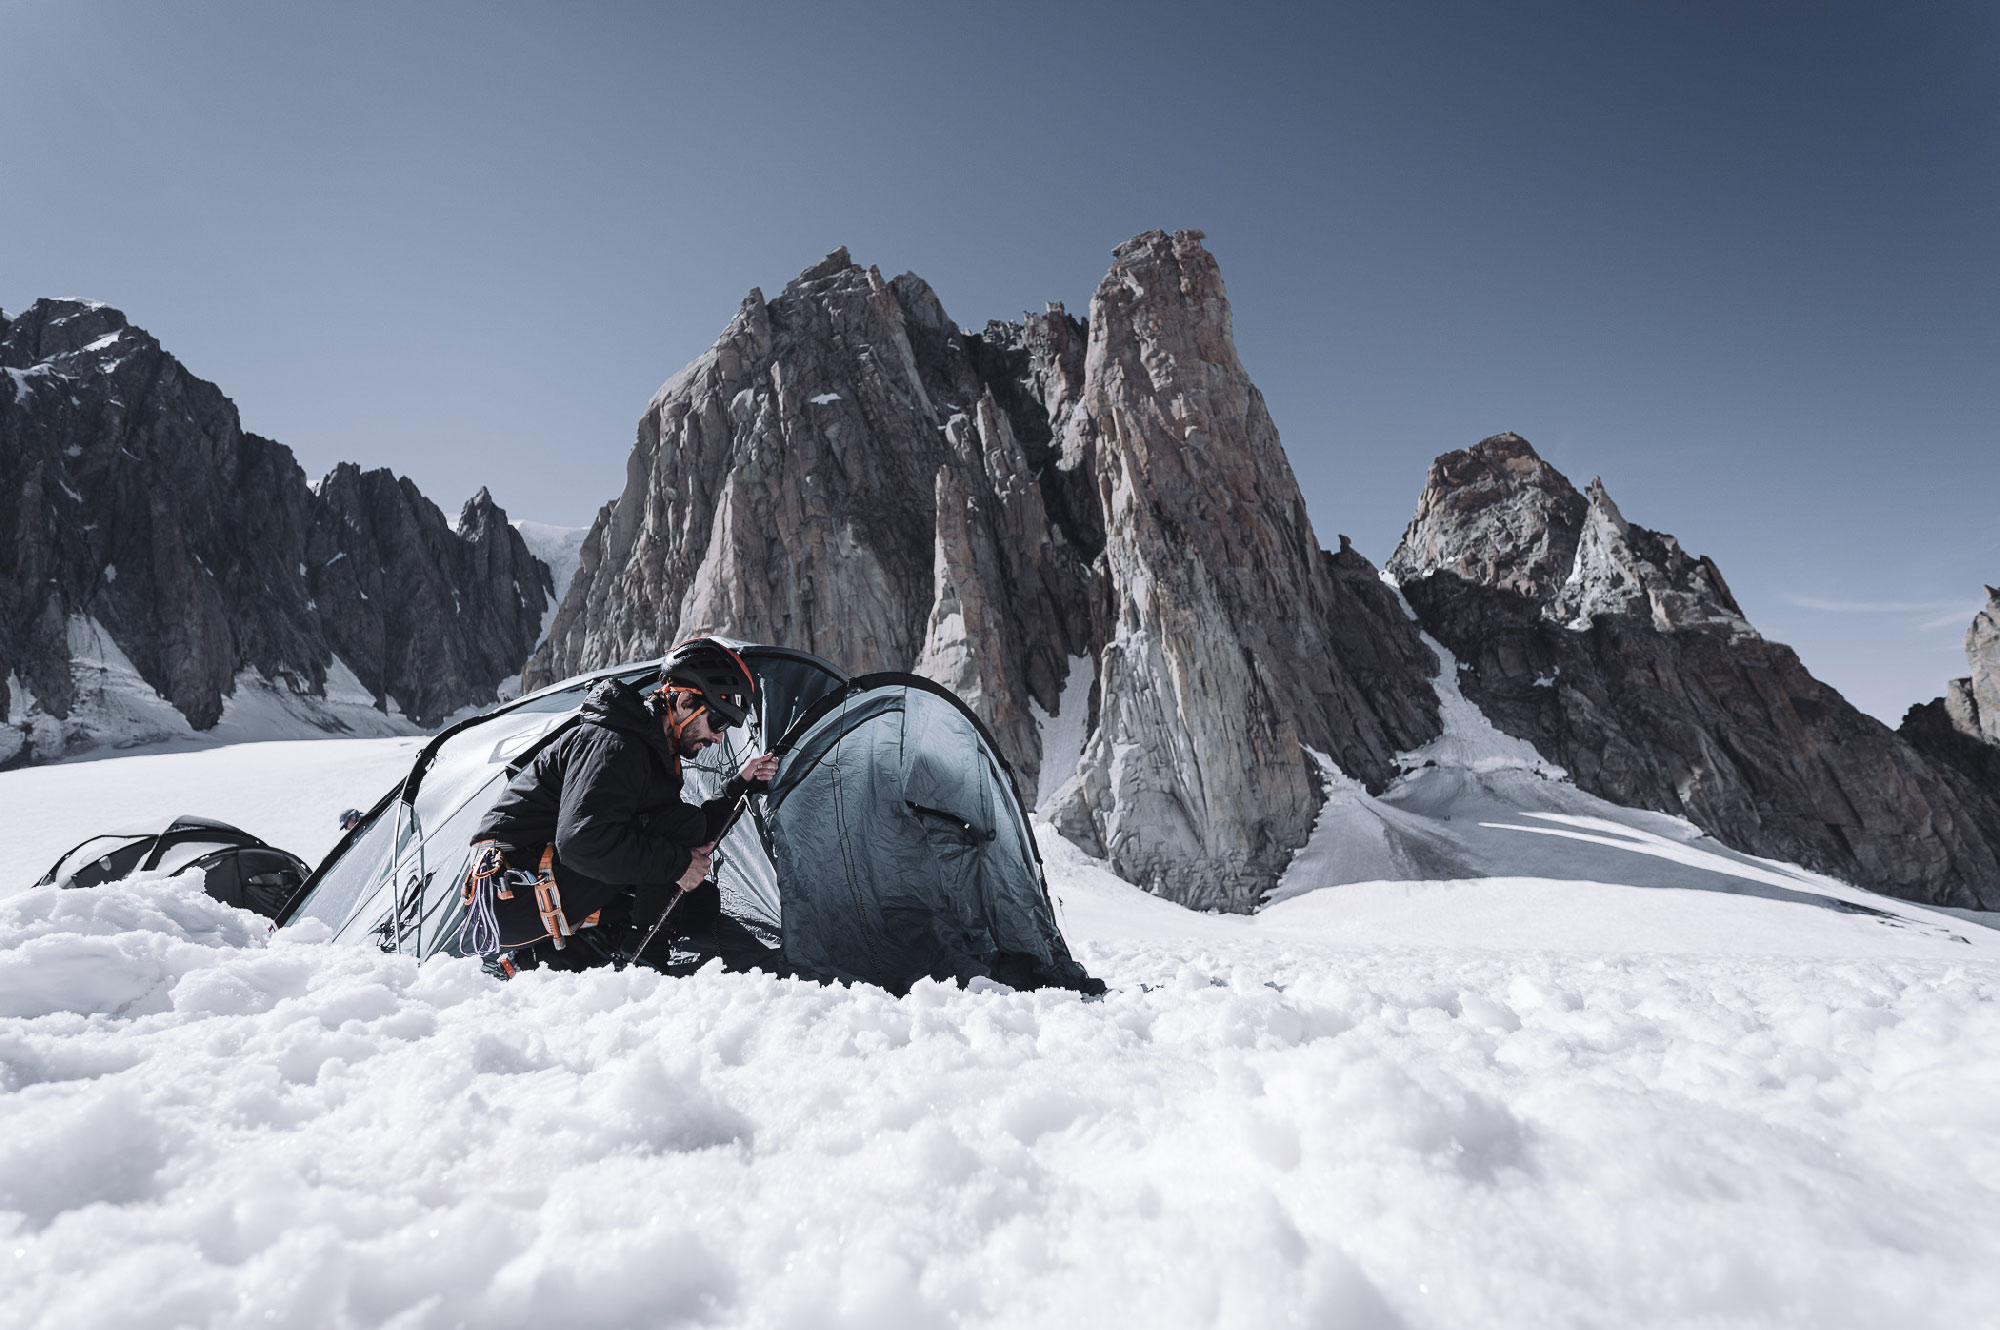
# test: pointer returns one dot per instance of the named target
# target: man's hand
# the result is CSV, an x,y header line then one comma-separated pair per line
x,y
758,768
697,867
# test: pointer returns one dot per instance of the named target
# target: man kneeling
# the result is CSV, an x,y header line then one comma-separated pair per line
x,y
592,843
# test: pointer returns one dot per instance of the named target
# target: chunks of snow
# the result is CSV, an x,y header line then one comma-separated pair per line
x,y
1416,1103
824,398
1265,1122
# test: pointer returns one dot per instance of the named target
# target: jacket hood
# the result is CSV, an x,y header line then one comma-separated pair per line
x,y
617,706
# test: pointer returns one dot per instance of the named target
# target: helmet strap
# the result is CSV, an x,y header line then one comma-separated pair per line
x,y
679,724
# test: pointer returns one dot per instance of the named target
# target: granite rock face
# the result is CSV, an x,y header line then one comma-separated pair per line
x,y
428,614
786,487
849,472
1982,652
137,515
1496,515
1634,668
1626,570
1962,728
1234,641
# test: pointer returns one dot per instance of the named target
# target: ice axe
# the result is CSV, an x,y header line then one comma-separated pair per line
x,y
717,859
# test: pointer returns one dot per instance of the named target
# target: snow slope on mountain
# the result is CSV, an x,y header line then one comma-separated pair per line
x,y
561,548
1507,1103
115,708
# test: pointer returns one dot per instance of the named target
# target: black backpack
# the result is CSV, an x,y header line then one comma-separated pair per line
x,y
236,867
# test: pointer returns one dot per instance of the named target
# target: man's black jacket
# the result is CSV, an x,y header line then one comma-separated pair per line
x,y
607,794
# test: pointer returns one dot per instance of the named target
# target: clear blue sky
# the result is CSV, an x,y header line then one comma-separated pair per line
x,y
1739,258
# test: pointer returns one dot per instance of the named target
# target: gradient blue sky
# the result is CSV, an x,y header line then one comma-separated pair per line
x,y
1738,258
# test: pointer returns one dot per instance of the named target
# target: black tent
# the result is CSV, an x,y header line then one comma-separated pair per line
x,y
236,867
890,846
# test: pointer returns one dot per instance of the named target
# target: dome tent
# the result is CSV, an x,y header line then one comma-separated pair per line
x,y
890,846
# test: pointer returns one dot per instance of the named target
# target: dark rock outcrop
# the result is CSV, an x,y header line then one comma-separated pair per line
x,y
428,615
847,471
137,513
1634,668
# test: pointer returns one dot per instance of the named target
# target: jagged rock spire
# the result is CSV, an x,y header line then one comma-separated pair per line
x,y
1221,664
848,471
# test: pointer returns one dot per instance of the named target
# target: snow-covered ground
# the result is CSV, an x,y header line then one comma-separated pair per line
x,y
291,793
1521,1101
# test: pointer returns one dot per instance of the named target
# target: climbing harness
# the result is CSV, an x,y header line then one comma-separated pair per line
x,y
488,879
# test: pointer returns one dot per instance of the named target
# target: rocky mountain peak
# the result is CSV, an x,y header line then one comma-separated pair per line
x,y
1496,515
835,264
49,329
785,487
1636,672
1624,569
1961,730
1233,641
1971,705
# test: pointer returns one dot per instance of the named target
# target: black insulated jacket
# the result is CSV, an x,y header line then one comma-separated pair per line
x,y
607,795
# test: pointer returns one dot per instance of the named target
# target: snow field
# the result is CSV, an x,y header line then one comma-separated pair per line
x,y
290,792
199,1128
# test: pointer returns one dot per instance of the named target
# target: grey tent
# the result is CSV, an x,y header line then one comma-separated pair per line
x,y
890,846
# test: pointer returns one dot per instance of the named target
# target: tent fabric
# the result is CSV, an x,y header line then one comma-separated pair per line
x,y
900,847
890,846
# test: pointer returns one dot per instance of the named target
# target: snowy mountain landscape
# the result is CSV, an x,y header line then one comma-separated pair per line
x,y
1509,934
1650,1081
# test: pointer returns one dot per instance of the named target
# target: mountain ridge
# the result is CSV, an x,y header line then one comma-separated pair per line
x,y
191,558
848,470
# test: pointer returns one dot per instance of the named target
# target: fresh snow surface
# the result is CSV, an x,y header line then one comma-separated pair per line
x,y
1518,1102
290,793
